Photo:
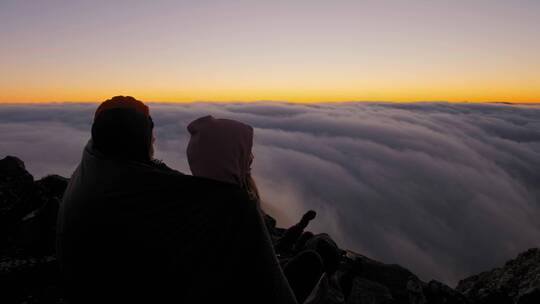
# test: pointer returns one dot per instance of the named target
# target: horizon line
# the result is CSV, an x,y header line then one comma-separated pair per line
x,y
278,101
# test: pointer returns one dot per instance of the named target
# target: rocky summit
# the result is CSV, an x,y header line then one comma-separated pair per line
x,y
518,281
29,270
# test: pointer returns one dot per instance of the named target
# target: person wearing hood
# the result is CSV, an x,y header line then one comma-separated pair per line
x,y
133,230
221,149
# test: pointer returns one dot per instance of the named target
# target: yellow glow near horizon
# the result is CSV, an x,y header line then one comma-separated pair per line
x,y
256,50
398,92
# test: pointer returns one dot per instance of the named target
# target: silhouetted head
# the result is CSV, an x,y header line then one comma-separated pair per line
x,y
123,129
220,149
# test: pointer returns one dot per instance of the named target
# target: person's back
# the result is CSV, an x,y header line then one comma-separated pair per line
x,y
96,245
126,240
132,231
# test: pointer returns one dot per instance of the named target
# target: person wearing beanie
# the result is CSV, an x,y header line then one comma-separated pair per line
x,y
123,129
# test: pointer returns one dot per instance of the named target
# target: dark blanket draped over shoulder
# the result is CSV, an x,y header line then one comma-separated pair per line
x,y
132,231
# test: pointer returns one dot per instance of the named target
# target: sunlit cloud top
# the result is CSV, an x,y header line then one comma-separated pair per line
x,y
270,50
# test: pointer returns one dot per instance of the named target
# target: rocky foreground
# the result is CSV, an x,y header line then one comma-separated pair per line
x,y
29,269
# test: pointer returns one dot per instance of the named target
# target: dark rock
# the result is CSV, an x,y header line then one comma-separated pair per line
x,y
368,292
28,209
334,293
29,280
54,185
38,228
37,231
437,292
516,281
416,291
11,168
16,184
17,190
394,277
529,296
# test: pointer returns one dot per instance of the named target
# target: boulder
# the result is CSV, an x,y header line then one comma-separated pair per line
x,y
53,185
26,279
400,281
12,169
368,292
437,292
517,281
529,296
17,193
28,209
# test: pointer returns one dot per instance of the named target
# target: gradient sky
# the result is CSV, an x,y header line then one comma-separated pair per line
x,y
270,50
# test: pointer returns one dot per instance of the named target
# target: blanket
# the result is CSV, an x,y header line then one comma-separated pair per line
x,y
132,231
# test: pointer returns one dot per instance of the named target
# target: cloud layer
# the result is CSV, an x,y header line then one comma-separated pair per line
x,y
446,190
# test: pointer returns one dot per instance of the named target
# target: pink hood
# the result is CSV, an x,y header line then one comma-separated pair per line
x,y
220,149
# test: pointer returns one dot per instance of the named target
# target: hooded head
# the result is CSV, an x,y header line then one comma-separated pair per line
x,y
123,129
220,149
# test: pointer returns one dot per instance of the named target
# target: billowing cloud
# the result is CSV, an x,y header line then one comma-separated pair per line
x,y
446,190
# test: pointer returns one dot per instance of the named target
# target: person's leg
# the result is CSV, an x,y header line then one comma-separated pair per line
x,y
303,272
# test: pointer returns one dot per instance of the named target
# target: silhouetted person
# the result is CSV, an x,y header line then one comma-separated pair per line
x,y
133,230
123,129
221,149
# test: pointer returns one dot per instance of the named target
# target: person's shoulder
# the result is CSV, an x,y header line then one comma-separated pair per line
x,y
162,166
199,189
217,187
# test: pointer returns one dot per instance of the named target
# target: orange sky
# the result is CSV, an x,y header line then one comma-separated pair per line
x,y
260,50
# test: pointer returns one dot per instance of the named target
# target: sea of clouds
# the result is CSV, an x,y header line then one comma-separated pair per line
x,y
446,190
